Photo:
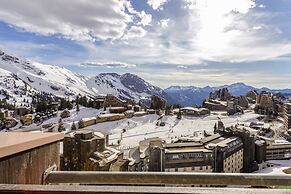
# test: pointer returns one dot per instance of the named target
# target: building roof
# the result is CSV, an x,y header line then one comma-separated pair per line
x,y
181,145
189,147
109,115
227,141
190,150
193,109
16,142
88,119
190,108
117,108
106,156
210,138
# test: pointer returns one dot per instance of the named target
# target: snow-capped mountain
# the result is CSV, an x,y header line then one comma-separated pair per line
x,y
238,89
126,86
41,77
27,76
191,95
21,78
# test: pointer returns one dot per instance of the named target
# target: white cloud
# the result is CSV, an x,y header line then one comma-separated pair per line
x,y
157,4
164,22
210,30
114,64
200,31
182,67
221,6
257,27
215,77
146,19
77,20
134,32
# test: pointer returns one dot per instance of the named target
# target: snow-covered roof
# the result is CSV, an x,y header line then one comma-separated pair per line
x,y
117,108
175,151
105,157
99,134
88,119
227,141
109,115
190,108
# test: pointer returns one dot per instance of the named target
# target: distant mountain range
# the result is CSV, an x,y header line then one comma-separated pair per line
x,y
21,77
191,95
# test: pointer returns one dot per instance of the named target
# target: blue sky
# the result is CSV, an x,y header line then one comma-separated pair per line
x,y
166,42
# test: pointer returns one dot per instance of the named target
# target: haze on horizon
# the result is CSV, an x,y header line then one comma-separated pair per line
x,y
166,42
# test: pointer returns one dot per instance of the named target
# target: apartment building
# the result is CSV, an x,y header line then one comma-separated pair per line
x,y
88,150
229,155
278,151
188,157
216,153
287,116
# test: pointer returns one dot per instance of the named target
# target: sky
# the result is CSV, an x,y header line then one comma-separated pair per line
x,y
166,42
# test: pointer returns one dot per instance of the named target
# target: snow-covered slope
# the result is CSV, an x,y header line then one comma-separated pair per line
x,y
14,90
62,82
47,78
126,86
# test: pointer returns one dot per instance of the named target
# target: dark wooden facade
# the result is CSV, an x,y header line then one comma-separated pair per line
x,y
28,167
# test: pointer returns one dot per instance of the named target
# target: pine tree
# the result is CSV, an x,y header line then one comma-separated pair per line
x,y
179,115
77,99
62,104
61,126
69,105
90,103
77,107
73,127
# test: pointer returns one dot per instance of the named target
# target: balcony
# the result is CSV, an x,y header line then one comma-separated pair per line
x,y
153,182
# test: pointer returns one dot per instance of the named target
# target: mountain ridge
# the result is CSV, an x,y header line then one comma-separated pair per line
x,y
62,82
18,74
184,94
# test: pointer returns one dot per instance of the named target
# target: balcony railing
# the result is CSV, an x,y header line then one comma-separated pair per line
x,y
166,178
153,182
79,189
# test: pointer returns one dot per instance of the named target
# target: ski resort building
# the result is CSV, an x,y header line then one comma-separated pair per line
x,y
216,153
215,105
264,99
221,95
192,111
117,110
264,103
26,119
112,101
148,156
252,96
278,151
287,116
228,155
188,157
88,151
